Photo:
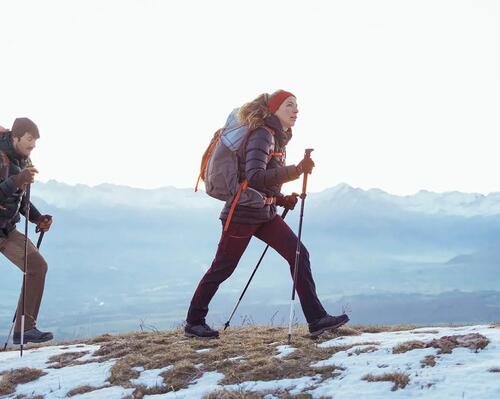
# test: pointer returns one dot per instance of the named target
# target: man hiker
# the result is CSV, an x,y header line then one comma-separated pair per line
x,y
16,174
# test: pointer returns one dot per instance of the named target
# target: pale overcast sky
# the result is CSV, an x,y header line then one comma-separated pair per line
x,y
398,95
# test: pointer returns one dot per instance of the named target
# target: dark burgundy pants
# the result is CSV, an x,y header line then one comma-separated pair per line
x,y
233,243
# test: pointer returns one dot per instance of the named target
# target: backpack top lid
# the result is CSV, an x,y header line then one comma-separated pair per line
x,y
234,132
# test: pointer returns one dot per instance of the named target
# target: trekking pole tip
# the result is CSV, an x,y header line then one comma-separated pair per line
x,y
226,325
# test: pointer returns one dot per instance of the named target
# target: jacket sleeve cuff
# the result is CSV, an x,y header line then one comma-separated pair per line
x,y
34,213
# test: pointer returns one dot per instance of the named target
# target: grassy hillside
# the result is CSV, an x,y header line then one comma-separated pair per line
x,y
255,362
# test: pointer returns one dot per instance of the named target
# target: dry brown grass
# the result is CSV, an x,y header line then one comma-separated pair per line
x,y
65,359
408,346
400,380
367,349
428,361
233,395
472,341
12,378
256,345
446,344
81,390
381,328
281,394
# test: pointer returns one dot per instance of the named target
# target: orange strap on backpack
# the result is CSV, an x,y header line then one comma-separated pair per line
x,y
243,187
207,155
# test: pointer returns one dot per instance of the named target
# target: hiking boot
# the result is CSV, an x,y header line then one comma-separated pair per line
x,y
34,335
327,323
200,331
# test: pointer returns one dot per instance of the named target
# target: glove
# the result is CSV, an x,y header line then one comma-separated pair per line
x,y
305,166
26,176
43,223
287,201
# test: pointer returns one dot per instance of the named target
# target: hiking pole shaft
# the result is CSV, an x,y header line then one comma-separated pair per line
x,y
297,251
40,238
38,244
226,325
23,293
10,331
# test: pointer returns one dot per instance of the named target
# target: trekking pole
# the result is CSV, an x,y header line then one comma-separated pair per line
x,y
23,291
39,242
10,331
40,238
226,325
297,252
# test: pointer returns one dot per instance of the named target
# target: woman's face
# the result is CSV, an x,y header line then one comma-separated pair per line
x,y
287,112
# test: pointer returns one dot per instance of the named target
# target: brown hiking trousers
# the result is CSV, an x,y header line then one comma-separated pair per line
x,y
12,247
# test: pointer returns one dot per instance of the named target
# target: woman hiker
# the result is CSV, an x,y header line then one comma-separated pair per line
x,y
270,119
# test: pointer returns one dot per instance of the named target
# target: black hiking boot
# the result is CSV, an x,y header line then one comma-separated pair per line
x,y
34,335
327,323
200,331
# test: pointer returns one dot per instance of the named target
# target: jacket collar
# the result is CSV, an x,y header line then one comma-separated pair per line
x,y
8,148
282,136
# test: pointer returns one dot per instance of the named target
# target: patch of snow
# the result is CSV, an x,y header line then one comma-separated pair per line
x,y
150,378
284,350
461,374
114,392
204,385
203,350
58,382
38,358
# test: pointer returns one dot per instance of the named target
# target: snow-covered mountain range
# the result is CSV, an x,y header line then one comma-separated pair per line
x,y
66,196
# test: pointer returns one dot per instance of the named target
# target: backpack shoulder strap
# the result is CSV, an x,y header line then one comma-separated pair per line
x,y
5,164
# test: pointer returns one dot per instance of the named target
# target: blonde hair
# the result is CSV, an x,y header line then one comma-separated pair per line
x,y
253,113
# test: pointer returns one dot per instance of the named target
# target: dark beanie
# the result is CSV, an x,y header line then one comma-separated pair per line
x,y
24,125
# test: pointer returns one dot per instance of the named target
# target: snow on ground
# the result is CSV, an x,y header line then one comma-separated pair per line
x,y
464,373
38,358
284,350
208,382
150,378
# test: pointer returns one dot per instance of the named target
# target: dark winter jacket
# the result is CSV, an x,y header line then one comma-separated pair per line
x,y
11,198
263,173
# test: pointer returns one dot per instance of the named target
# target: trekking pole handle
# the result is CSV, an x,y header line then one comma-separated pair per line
x,y
307,154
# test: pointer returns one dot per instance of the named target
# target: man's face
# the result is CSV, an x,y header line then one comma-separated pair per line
x,y
25,144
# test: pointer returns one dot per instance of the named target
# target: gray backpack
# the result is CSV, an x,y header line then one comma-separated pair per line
x,y
219,166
